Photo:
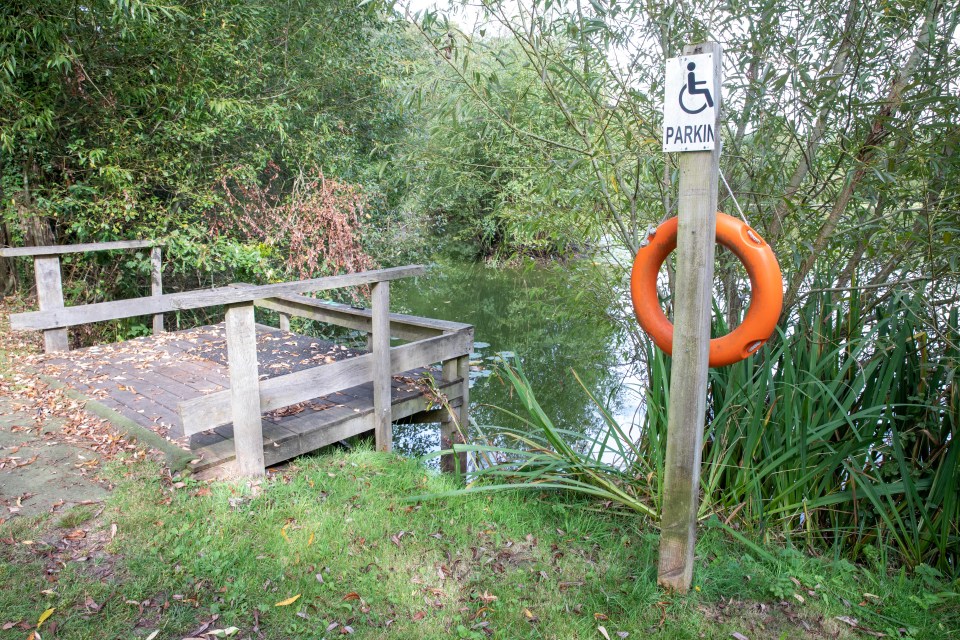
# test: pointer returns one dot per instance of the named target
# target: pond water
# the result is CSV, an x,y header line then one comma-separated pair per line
x,y
549,318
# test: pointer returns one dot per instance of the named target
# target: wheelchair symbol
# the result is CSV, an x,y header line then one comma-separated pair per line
x,y
692,88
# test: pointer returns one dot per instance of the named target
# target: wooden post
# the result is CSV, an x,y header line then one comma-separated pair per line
x,y
50,296
284,321
463,372
156,285
245,389
697,206
450,434
382,410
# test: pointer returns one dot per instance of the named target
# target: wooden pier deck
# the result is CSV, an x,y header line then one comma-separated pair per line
x,y
248,395
147,379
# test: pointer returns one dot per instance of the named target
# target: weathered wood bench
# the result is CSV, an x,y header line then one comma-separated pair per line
x,y
429,342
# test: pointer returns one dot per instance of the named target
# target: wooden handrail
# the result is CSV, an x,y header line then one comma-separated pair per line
x,y
115,310
60,249
402,326
46,270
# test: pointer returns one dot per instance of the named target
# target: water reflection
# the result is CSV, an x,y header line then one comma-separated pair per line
x,y
547,317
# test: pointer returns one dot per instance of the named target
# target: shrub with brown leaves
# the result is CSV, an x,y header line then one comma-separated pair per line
x,y
316,227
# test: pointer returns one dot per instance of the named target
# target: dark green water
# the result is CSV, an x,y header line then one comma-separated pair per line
x,y
548,318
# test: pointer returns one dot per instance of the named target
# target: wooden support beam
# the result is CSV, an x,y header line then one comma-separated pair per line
x,y
244,389
284,321
452,427
115,310
46,270
697,206
156,285
463,370
380,350
60,249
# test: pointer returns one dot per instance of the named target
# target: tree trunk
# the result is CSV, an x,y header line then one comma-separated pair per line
x,y
8,268
35,227
819,128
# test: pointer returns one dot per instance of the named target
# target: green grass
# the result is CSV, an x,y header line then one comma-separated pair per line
x,y
76,516
391,568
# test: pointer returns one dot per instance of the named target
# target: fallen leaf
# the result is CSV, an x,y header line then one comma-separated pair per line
x,y
224,633
153,635
288,601
353,595
738,636
46,614
419,615
602,631
310,541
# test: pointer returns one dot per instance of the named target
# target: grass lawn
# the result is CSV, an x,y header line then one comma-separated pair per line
x,y
331,546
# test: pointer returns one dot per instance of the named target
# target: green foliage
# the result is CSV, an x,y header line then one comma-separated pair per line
x,y
474,172
119,121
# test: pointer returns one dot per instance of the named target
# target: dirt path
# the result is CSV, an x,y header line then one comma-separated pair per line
x,y
39,470
52,450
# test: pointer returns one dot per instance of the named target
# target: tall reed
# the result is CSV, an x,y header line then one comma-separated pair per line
x,y
841,435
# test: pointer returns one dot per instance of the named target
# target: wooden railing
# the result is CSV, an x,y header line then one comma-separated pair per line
x,y
433,341
46,269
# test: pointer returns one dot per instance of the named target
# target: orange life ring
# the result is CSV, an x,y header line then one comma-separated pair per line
x,y
766,283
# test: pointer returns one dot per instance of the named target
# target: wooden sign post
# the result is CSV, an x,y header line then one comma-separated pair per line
x,y
691,126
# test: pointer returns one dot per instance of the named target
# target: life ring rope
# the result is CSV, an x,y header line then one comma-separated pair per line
x,y
766,283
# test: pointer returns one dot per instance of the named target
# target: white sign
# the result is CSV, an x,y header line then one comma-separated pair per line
x,y
690,104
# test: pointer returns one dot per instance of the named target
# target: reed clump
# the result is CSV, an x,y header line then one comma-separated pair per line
x,y
840,436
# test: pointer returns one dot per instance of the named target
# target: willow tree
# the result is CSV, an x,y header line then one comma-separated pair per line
x,y
841,121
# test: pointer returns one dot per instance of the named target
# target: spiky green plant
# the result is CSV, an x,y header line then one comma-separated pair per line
x,y
842,435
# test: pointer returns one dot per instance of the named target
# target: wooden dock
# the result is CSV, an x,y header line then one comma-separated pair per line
x,y
250,395
147,379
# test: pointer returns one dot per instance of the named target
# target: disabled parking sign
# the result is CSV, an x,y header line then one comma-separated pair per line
x,y
690,103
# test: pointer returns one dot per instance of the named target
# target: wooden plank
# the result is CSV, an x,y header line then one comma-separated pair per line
x,y
60,249
697,206
380,352
284,321
213,410
117,309
244,389
156,285
50,296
